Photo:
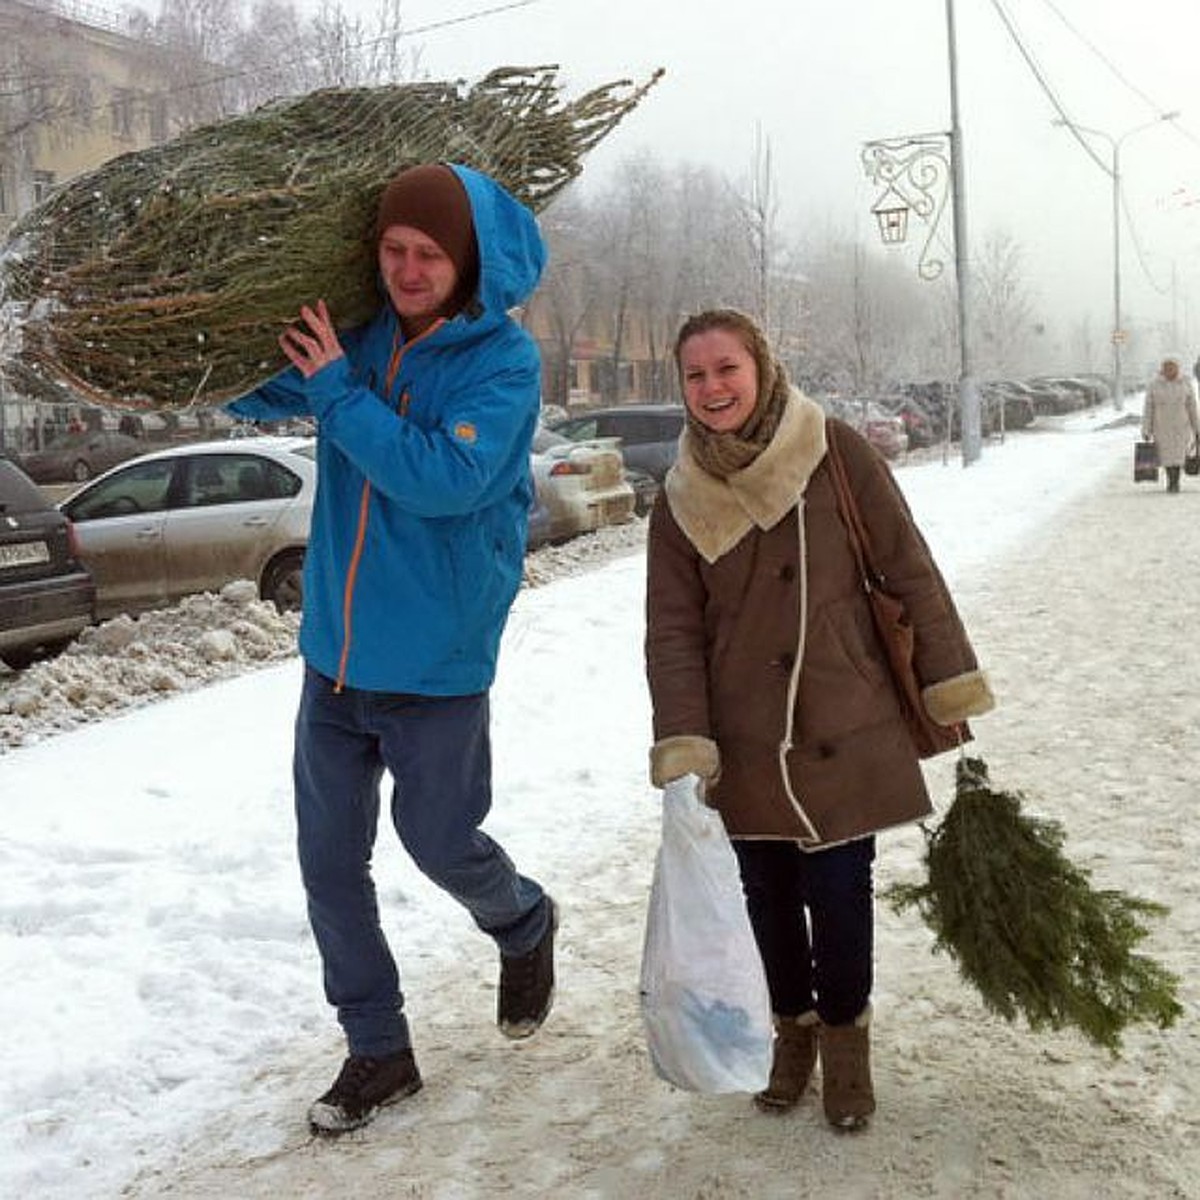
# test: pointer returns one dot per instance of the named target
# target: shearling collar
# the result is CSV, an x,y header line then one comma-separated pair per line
x,y
715,514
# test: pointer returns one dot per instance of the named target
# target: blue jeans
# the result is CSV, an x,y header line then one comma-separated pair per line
x,y
813,919
438,752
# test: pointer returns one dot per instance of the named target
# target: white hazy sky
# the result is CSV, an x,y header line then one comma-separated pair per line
x,y
824,76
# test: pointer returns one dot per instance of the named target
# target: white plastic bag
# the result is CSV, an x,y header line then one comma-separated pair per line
x,y
704,999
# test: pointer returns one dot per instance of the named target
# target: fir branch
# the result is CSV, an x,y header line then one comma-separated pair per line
x,y
1026,928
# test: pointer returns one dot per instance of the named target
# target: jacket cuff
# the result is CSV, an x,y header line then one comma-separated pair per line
x,y
684,754
959,697
328,386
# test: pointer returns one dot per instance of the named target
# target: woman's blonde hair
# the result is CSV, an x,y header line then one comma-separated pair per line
x,y
735,322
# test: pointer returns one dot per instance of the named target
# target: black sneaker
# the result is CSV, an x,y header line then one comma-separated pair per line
x,y
527,984
362,1088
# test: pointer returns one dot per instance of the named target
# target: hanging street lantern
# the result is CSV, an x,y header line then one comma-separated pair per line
x,y
914,173
891,211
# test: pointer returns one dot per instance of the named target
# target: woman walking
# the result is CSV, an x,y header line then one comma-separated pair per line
x,y
770,688
1169,418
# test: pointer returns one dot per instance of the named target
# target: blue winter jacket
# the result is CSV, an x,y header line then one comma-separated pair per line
x,y
423,488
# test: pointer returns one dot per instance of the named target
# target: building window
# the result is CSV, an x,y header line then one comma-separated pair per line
x,y
158,119
82,102
43,185
122,112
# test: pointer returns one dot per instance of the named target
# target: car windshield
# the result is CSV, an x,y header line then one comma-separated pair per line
x,y
140,488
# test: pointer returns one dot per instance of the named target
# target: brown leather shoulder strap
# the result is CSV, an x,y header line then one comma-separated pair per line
x,y
860,542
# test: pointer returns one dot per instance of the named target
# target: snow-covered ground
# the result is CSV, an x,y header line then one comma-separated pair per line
x,y
124,663
163,1021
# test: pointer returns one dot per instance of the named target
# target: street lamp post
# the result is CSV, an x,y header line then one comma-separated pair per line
x,y
917,173
1114,173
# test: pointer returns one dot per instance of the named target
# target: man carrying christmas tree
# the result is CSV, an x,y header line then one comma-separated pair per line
x,y
425,420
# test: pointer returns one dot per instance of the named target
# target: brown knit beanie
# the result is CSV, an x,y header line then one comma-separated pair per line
x,y
431,198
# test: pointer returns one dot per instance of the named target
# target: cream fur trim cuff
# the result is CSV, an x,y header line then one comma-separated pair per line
x,y
955,699
685,754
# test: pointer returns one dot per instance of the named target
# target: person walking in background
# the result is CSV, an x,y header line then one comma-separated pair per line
x,y
1169,418
425,418
771,693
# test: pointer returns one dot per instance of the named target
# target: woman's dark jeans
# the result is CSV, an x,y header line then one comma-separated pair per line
x,y
813,918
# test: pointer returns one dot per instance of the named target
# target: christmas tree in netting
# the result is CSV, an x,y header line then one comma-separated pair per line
x,y
163,278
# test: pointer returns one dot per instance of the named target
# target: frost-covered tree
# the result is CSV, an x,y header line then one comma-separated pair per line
x,y
761,209
1004,308
867,319
228,56
569,292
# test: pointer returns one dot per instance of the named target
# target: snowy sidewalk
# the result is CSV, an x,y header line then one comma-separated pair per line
x,y
1088,632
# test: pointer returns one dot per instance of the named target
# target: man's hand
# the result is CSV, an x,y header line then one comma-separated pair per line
x,y
312,342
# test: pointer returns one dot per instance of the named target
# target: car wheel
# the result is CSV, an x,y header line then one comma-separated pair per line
x,y
282,581
80,471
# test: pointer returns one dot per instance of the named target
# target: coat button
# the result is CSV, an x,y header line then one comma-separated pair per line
x,y
786,661
824,750
787,573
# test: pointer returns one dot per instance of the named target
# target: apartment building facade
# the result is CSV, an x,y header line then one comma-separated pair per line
x,y
75,91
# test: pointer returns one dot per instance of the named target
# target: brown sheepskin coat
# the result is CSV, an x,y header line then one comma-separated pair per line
x,y
764,668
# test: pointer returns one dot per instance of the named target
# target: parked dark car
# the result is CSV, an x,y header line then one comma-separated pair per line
x,y
649,433
918,423
80,456
645,490
1008,399
46,595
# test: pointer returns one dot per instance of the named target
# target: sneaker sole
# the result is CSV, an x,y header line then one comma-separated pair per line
x,y
324,1120
516,1030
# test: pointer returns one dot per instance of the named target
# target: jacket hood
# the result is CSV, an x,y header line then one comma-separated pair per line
x,y
511,251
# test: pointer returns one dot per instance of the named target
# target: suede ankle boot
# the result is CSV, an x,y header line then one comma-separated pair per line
x,y
847,1092
792,1064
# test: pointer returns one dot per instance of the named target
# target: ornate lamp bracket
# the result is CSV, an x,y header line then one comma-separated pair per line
x,y
914,175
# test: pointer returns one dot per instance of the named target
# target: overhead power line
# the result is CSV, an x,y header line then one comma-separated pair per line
x,y
1113,68
1107,168
1044,83
231,74
429,27
1119,75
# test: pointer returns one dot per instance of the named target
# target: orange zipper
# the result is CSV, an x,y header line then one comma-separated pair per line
x,y
399,349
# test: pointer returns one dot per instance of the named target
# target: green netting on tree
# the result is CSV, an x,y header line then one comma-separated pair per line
x,y
1025,926
163,278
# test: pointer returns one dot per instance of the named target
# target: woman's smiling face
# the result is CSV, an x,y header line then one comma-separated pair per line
x,y
720,379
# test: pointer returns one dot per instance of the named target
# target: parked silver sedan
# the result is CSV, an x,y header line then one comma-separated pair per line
x,y
193,518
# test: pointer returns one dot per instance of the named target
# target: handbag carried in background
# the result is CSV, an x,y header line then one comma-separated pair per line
x,y
892,625
1145,462
704,999
1191,463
